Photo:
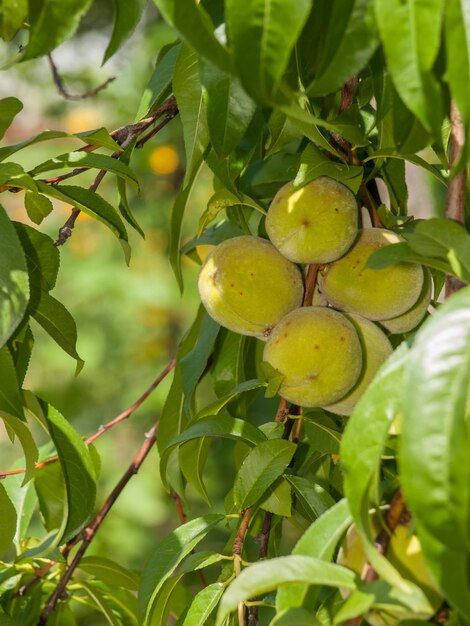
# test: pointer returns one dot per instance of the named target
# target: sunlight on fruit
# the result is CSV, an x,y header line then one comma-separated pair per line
x,y
164,160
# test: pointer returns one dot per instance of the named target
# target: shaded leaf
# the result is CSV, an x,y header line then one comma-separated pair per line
x,y
37,206
42,257
261,467
126,17
110,572
9,107
7,521
51,23
14,283
159,86
10,396
59,324
314,164
26,440
166,557
312,498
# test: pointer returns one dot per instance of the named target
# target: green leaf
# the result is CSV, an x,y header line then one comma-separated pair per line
x,y
42,257
25,438
7,521
21,348
14,284
90,203
102,603
402,252
159,86
52,22
9,107
192,457
314,164
188,94
375,412
457,43
215,407
351,41
13,175
126,17
59,324
411,55
194,362
435,468
12,15
78,470
203,605
213,426
110,572
99,137
313,499
265,576
261,467
262,34
390,153
196,29
50,489
295,617
166,557
10,396
176,224
229,109
279,499
319,541
37,206
87,159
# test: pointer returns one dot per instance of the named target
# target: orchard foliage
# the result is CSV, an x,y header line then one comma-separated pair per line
x,y
267,92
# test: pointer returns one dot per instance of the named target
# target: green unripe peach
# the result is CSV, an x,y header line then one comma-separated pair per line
x,y
405,554
411,318
318,353
376,294
314,224
248,286
375,349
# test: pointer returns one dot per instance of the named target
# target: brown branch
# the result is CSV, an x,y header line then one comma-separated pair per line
x,y
395,513
59,83
90,531
125,136
455,199
310,280
105,427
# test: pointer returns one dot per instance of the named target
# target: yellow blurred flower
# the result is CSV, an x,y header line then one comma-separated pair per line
x,y
164,160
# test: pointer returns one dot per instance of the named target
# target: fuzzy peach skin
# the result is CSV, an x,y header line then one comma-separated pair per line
x,y
247,286
318,352
314,224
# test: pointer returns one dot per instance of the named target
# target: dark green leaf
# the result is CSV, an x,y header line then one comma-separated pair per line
x,y
229,109
313,499
213,426
192,457
295,617
110,572
13,175
124,207
262,34
59,324
14,284
215,407
188,94
10,396
315,163
21,348
166,557
78,471
411,55
87,159
9,107
126,17
196,29
261,467
52,21
320,541
159,85
435,466
7,521
261,577
351,41
12,15
50,489
278,499
25,438
37,206
92,204
42,257
411,158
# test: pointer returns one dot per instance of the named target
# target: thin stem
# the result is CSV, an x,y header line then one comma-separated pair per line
x,y
237,551
90,531
455,199
59,83
105,427
310,280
